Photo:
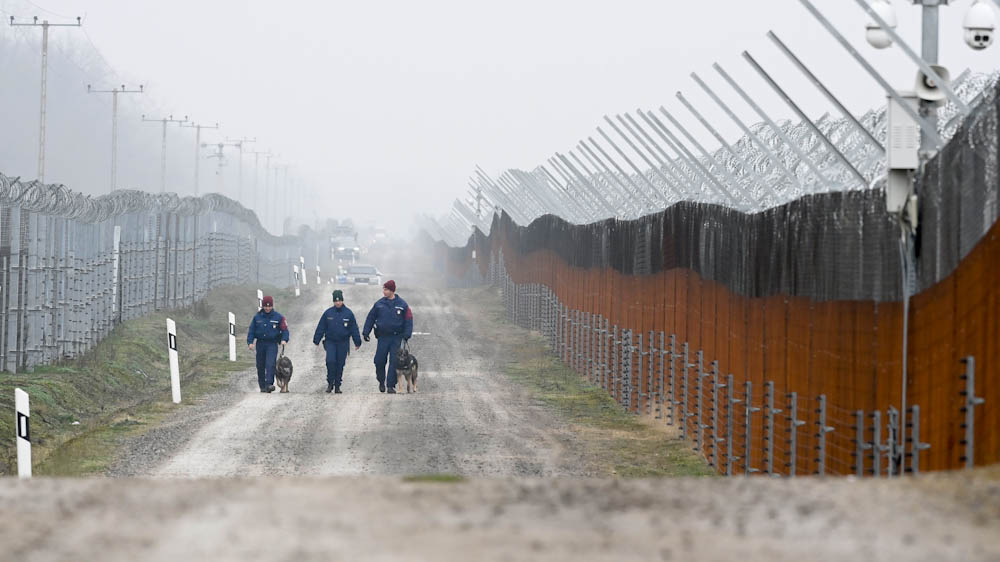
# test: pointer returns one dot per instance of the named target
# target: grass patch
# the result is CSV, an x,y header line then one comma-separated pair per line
x,y
435,478
81,409
620,443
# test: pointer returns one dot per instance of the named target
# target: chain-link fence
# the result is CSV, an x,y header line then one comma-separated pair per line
x,y
73,266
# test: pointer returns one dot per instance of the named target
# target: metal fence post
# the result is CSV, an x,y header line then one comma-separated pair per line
x,y
969,409
661,383
793,431
892,441
716,385
769,430
684,390
914,439
823,429
876,445
614,382
860,445
700,441
672,390
748,428
627,360
731,402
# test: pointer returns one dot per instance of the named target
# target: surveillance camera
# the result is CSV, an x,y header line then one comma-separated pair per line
x,y
979,26
876,36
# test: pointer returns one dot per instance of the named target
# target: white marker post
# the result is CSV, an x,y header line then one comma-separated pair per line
x,y
319,278
305,276
260,299
23,433
232,337
175,370
295,269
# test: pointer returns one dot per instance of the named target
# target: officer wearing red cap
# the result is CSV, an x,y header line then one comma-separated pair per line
x,y
393,322
268,330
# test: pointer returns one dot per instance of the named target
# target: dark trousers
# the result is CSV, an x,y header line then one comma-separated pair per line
x,y
267,358
387,348
336,356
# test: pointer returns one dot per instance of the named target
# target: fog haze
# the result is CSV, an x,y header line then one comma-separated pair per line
x,y
382,109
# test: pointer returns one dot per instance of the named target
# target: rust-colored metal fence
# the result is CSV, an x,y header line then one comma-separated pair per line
x,y
801,305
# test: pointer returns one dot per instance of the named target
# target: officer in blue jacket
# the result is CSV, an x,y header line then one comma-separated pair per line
x,y
336,328
393,322
268,330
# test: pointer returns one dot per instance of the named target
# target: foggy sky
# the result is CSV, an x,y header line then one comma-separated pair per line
x,y
384,108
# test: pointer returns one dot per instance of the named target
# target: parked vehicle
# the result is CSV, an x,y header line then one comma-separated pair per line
x,y
362,274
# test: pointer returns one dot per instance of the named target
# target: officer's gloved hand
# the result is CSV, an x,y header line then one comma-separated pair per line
x,y
367,338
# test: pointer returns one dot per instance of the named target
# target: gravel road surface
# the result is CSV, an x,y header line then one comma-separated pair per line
x,y
464,420
561,519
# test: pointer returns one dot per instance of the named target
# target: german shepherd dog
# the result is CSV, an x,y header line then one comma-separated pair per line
x,y
283,372
406,367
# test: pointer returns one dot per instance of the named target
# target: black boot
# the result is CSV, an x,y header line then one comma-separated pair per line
x,y
381,386
336,390
329,387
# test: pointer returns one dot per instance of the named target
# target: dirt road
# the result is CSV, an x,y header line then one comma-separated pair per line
x,y
465,419
316,478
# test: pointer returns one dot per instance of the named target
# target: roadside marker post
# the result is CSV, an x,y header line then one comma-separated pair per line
x,y
22,407
305,276
175,371
319,278
295,270
232,337
260,299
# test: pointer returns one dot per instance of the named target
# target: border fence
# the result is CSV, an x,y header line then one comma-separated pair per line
x,y
774,340
72,267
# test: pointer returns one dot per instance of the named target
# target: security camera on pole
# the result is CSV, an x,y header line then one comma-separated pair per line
x,y
931,90
910,143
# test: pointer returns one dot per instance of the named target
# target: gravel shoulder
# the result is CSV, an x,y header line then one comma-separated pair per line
x,y
944,517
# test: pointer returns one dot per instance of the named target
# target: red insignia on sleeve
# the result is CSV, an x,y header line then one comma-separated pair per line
x,y
409,313
283,325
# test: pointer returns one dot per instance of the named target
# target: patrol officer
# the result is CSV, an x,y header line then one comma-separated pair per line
x,y
268,330
393,322
336,328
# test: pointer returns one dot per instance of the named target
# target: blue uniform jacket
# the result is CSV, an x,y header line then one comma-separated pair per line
x,y
337,325
267,327
390,318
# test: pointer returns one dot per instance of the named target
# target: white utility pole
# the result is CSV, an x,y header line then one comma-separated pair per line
x,y
163,149
45,25
197,149
256,172
114,126
238,143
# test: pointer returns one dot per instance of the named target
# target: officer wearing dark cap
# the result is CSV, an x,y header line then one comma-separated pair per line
x,y
393,322
336,328
268,330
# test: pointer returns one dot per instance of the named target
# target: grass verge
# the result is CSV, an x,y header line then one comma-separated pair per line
x,y
619,443
81,409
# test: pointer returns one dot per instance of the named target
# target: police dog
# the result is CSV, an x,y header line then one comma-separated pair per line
x,y
283,372
406,368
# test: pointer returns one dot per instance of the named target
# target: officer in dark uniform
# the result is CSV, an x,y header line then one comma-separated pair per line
x,y
393,322
336,328
268,330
